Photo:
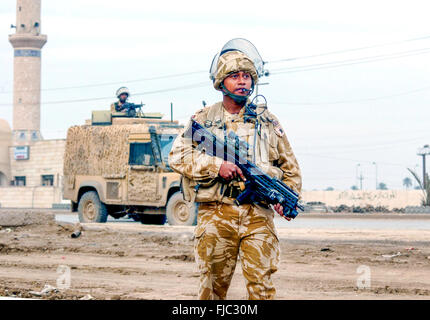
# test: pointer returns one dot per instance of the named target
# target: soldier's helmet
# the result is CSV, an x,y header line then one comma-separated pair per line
x,y
122,90
236,55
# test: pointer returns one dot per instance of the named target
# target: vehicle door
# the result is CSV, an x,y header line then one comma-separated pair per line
x,y
143,185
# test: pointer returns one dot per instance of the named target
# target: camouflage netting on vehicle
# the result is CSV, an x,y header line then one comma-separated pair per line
x,y
97,150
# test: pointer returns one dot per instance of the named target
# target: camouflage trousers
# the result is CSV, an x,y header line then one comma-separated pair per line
x,y
225,232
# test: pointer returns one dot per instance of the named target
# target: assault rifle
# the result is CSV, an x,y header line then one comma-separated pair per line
x,y
130,108
259,187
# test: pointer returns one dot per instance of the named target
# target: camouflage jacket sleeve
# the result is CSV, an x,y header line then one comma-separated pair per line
x,y
287,162
112,107
192,163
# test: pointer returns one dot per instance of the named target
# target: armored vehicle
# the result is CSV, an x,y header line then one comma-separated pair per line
x,y
118,166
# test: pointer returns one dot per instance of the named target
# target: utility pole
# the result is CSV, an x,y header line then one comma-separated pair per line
x,y
376,175
361,178
423,152
356,173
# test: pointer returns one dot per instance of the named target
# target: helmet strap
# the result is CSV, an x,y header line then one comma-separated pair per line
x,y
236,98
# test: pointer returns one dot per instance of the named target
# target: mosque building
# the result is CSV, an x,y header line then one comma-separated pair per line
x,y
30,167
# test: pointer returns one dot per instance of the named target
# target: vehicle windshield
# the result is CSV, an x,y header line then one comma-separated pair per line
x,y
166,141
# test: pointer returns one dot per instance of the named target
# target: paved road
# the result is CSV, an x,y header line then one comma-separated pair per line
x,y
335,222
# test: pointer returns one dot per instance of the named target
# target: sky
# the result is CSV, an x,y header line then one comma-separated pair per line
x,y
348,80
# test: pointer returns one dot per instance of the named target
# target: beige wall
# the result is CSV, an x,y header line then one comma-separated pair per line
x,y
46,158
388,198
30,197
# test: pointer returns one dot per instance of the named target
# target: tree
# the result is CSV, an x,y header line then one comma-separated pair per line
x,y
382,186
329,189
407,182
426,190
354,188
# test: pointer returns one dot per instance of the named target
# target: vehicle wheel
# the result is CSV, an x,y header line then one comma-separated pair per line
x,y
159,219
181,212
91,209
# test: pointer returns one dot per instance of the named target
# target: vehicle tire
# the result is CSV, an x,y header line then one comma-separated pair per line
x,y
181,212
158,219
91,209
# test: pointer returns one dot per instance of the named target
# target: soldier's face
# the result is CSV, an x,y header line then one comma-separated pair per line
x,y
237,81
123,97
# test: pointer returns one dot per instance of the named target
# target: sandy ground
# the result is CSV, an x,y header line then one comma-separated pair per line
x,y
134,261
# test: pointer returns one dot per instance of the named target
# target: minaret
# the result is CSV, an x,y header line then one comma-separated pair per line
x,y
27,43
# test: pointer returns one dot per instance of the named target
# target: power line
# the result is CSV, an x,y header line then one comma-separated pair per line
x,y
358,100
377,146
277,71
112,83
348,62
201,71
349,50
191,86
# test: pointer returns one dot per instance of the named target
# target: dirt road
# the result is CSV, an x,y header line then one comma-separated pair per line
x,y
133,261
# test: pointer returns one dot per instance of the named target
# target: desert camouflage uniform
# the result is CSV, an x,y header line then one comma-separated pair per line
x,y
114,108
224,230
223,233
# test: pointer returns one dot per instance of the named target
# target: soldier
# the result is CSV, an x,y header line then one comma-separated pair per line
x,y
122,94
226,231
